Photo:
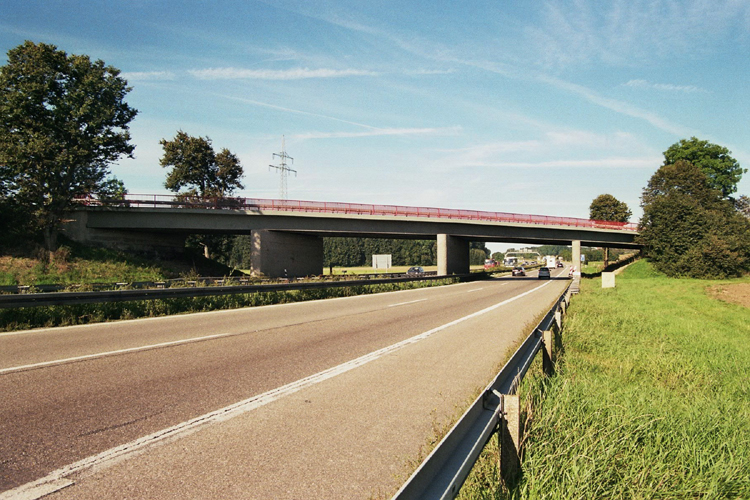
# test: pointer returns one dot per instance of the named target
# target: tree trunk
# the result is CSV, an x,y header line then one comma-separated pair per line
x,y
50,239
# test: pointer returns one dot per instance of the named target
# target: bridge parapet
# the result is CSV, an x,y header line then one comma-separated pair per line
x,y
322,207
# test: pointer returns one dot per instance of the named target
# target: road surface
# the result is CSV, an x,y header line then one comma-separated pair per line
x,y
338,398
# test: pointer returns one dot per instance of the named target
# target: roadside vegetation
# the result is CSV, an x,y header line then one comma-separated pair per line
x,y
75,264
80,266
691,224
38,317
651,398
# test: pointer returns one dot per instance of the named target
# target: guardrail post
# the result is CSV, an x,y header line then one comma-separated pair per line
x,y
548,363
558,320
509,439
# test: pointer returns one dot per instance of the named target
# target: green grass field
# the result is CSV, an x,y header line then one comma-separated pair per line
x,y
651,398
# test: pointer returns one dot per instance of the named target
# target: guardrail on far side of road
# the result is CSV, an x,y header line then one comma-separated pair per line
x,y
75,298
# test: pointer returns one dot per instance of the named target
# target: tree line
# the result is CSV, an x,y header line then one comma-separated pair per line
x,y
236,251
65,121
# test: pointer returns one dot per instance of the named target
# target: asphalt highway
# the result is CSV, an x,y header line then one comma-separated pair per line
x,y
325,399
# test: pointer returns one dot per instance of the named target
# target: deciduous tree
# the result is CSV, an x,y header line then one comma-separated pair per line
x,y
688,229
64,121
742,205
723,171
606,207
197,170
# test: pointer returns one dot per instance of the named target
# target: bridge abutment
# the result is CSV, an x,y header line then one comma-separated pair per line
x,y
280,254
160,244
452,255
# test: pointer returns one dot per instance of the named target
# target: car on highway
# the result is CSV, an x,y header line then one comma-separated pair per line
x,y
415,270
518,271
544,273
559,264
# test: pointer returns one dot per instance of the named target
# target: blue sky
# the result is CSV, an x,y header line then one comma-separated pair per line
x,y
516,106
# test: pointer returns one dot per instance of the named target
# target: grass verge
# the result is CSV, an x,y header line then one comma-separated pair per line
x,y
651,399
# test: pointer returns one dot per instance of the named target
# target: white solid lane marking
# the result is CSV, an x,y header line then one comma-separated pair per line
x,y
405,303
111,353
121,452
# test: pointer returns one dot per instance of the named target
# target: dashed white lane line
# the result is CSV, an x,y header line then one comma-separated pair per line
x,y
405,303
114,455
111,353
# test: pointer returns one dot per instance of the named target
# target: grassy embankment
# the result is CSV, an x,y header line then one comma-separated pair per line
x,y
651,398
78,264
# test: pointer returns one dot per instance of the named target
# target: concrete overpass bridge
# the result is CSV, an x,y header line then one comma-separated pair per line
x,y
287,235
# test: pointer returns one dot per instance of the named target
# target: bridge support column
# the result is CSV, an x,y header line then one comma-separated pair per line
x,y
577,257
452,255
278,254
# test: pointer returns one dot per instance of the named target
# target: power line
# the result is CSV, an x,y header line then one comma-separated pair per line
x,y
282,168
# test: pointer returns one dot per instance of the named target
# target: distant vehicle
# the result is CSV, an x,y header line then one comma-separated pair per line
x,y
544,273
551,261
415,270
518,271
559,264
490,263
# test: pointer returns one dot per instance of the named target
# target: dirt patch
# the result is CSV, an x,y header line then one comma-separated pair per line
x,y
738,293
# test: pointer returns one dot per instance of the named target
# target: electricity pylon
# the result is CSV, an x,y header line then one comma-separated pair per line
x,y
282,168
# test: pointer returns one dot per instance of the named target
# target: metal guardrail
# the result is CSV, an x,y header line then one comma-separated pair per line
x,y
183,282
74,298
444,471
156,201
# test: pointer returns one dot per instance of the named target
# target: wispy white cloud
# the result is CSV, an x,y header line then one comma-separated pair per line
x,y
140,76
582,91
555,140
581,149
665,87
291,110
426,72
370,131
267,74
380,132
598,163
628,32
616,105
583,18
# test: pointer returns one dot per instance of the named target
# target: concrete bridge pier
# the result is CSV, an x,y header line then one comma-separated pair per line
x,y
577,256
452,255
280,254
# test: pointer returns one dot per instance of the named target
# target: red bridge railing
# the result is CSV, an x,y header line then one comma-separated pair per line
x,y
158,200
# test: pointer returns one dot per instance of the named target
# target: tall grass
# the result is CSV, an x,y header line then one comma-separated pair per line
x,y
651,398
